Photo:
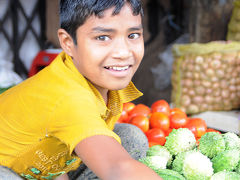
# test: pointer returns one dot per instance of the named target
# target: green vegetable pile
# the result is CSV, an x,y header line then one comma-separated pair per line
x,y
216,157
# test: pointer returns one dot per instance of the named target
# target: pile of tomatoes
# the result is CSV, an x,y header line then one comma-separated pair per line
x,y
158,121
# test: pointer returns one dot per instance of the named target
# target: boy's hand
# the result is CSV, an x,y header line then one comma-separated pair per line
x,y
109,160
62,177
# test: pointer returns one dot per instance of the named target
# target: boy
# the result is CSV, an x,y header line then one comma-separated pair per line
x,y
65,114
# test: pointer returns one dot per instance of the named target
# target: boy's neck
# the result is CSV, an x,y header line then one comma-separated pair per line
x,y
104,93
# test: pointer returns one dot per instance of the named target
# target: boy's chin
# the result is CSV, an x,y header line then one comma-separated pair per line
x,y
119,86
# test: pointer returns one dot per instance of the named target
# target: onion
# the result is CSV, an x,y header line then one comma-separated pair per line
x,y
233,96
237,80
191,92
238,69
208,99
188,74
206,83
187,82
216,63
215,85
217,100
220,73
197,83
196,75
184,90
192,109
229,70
210,72
183,109
217,92
204,107
227,105
197,99
197,68
225,93
200,90
214,79
190,67
238,88
224,84
199,60
235,74
209,91
224,66
205,65
232,88
185,100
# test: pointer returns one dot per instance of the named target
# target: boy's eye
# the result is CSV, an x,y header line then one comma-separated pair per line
x,y
103,38
134,35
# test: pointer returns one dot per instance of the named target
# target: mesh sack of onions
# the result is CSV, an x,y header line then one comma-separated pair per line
x,y
206,77
234,24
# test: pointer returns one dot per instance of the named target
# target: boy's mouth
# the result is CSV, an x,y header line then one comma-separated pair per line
x,y
118,68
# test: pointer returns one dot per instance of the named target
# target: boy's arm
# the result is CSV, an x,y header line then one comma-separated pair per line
x,y
62,177
109,160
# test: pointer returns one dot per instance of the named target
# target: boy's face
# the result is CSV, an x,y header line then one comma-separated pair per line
x,y
109,49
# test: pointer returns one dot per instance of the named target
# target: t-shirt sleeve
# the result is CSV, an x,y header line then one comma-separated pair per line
x,y
76,118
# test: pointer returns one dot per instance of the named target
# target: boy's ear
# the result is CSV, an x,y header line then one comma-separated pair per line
x,y
66,41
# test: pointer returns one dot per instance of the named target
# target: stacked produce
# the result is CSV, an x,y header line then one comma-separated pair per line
x,y
159,120
205,77
234,24
216,157
181,147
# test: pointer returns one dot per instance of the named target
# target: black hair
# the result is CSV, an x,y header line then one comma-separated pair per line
x,y
73,13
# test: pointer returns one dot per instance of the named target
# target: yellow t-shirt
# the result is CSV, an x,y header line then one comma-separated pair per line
x,y
43,118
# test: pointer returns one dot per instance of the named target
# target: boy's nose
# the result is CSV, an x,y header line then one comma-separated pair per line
x,y
121,50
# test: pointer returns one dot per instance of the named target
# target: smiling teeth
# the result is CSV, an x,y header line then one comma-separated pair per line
x,y
119,68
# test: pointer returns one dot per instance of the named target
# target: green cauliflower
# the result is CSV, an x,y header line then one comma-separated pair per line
x,y
159,150
238,167
180,140
225,175
211,143
226,160
177,164
168,174
155,162
231,140
197,166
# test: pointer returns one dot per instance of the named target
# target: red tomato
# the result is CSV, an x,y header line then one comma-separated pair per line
x,y
161,106
141,122
200,125
156,135
212,130
192,127
178,120
176,110
139,109
159,120
128,106
123,118
168,131
197,140
150,144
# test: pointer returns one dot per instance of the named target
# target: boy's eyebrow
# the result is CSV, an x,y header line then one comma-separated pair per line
x,y
102,29
136,28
